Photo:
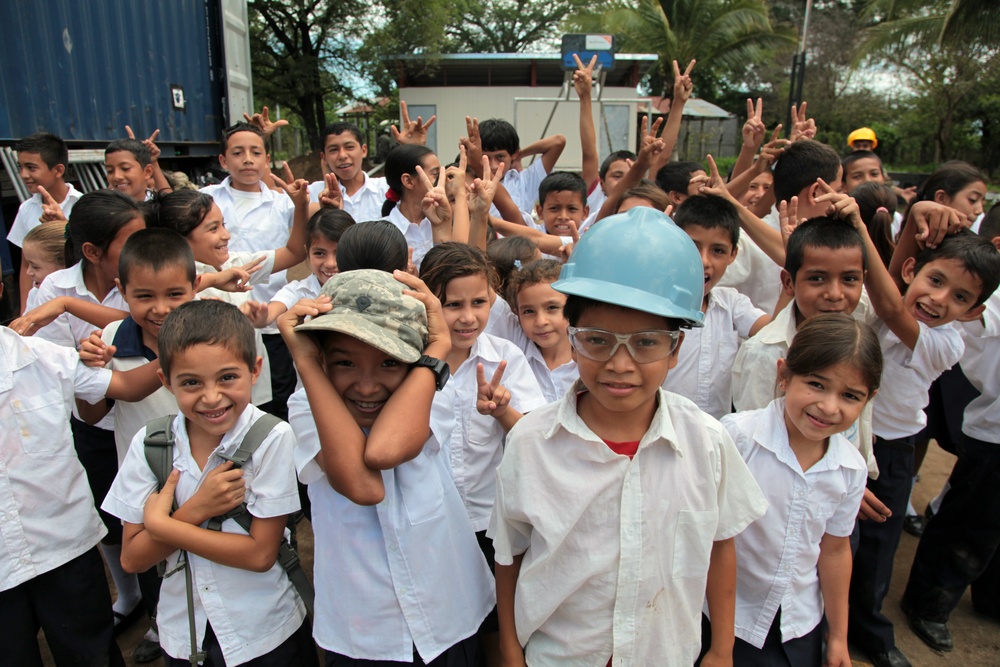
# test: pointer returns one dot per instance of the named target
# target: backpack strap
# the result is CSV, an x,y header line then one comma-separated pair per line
x,y
287,557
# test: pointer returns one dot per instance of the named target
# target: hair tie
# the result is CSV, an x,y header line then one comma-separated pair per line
x,y
392,196
882,209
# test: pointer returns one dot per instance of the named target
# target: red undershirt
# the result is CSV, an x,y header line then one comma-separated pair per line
x,y
622,449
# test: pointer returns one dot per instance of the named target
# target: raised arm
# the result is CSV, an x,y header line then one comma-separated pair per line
x,y
583,84
754,131
550,148
683,87
160,182
652,148
91,313
294,251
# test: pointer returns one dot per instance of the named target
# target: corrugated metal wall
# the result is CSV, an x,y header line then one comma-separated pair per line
x,y
83,69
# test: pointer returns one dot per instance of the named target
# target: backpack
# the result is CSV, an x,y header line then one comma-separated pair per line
x,y
159,449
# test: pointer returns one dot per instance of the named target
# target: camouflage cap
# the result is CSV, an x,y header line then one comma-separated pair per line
x,y
370,305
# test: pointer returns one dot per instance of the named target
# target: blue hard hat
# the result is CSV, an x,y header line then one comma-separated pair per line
x,y
640,260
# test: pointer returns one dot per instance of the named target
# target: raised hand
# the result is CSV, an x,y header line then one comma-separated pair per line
x,y
437,330
263,121
435,205
772,150
154,150
302,346
649,134
583,77
37,317
332,196
296,189
841,205
934,221
473,143
713,183
683,85
455,178
564,251
492,398
802,127
256,312
484,189
413,132
51,210
754,129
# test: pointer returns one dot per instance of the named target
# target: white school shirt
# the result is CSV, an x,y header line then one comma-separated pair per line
x,y
595,200
474,442
419,236
251,612
777,555
616,552
404,573
47,515
67,329
365,205
754,273
755,374
554,382
907,377
523,185
30,210
503,323
704,364
981,365
265,225
295,291
129,418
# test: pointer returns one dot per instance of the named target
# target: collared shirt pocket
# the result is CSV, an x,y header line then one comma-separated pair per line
x,y
693,540
420,491
42,424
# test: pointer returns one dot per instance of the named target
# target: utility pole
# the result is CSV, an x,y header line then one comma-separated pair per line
x,y
798,70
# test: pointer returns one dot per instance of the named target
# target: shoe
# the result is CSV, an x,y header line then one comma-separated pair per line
x,y
934,634
124,621
146,651
914,524
893,658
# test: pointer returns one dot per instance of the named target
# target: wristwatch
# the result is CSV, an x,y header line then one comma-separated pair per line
x,y
438,367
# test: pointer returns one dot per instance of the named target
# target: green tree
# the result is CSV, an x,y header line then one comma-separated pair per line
x,y
507,26
726,37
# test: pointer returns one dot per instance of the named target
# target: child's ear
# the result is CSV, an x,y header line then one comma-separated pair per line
x,y
364,150
197,281
586,210
973,314
941,197
782,375
164,380
59,170
222,161
91,252
121,288
996,242
732,255
676,198
147,171
909,270
255,371
408,181
538,210
788,283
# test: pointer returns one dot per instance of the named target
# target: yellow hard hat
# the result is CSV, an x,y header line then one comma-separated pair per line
x,y
864,134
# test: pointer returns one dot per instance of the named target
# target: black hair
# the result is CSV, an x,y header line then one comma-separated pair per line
x,y
447,261
401,160
989,228
96,219
241,127
206,322
836,338
376,244
50,148
138,150
180,210
822,232
576,306
499,135
800,165
330,223
615,157
562,181
976,253
854,156
709,212
675,176
155,249
333,129
877,204
508,253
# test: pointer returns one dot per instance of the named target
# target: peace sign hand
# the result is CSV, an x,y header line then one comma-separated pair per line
x,y
51,210
754,129
492,398
413,132
683,85
583,77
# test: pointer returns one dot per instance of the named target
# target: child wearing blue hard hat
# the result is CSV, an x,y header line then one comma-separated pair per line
x,y
617,505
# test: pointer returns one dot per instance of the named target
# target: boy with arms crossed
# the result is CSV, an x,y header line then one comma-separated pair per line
x,y
589,484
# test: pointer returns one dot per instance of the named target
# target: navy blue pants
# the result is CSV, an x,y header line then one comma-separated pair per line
x,y
961,541
299,649
868,628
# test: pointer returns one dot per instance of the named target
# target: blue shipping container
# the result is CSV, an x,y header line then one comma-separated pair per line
x,y
85,69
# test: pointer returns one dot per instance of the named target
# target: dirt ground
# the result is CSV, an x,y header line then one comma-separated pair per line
x,y
977,639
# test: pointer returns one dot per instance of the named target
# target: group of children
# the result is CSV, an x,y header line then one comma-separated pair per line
x,y
539,418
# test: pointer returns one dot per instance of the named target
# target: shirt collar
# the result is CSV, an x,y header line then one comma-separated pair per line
x,y
128,341
15,354
231,441
72,278
781,329
567,417
266,193
772,434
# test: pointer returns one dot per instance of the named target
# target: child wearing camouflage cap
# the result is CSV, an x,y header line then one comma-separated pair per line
x,y
398,574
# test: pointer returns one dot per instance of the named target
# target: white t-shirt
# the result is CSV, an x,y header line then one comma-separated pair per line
x,y
365,205
704,364
251,613
30,211
616,551
47,515
419,236
777,554
404,573
474,442
523,185
981,365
